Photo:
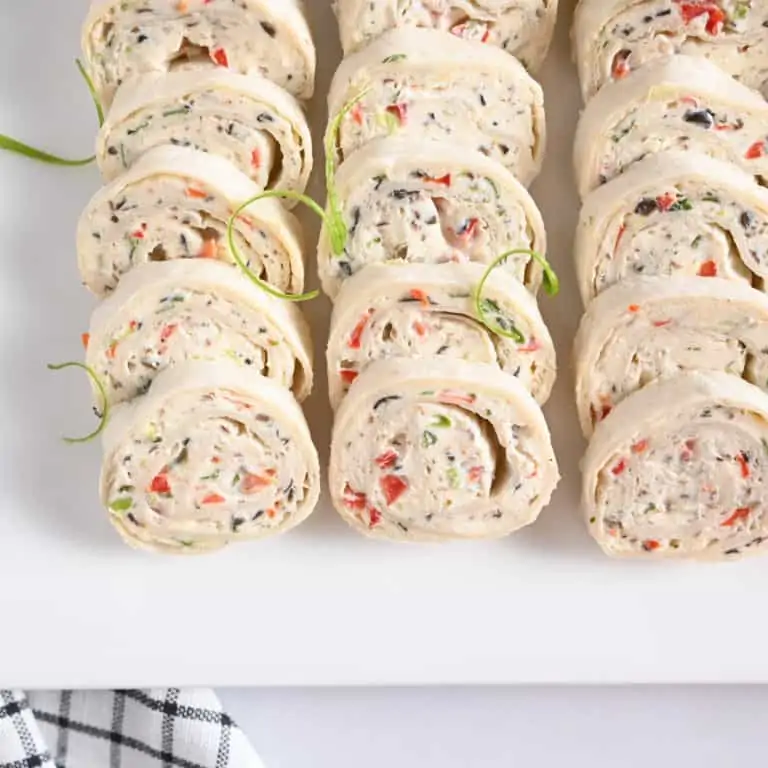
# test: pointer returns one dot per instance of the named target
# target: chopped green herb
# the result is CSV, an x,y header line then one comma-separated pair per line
x,y
683,204
180,111
495,187
505,324
138,128
428,439
453,477
442,422
394,57
617,137
121,505
389,121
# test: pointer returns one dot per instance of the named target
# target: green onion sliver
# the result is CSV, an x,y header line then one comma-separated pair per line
x,y
102,394
92,91
252,276
485,307
10,144
337,228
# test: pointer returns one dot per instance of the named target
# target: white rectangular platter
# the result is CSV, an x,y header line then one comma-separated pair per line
x,y
319,606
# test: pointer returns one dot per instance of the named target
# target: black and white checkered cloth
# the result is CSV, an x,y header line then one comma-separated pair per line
x,y
120,729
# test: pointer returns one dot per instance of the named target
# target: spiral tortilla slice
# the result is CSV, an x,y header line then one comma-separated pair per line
x,y
674,213
214,454
420,312
418,201
125,39
644,329
176,203
523,28
679,470
678,103
167,313
615,37
412,87
246,119
440,450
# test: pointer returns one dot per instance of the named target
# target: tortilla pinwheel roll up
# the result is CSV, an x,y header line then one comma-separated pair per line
x,y
644,329
421,312
440,450
246,119
674,213
166,313
213,454
418,201
125,39
615,37
682,102
412,87
176,203
521,27
680,469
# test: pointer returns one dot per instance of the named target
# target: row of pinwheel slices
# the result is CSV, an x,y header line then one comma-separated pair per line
x,y
198,361
671,254
438,357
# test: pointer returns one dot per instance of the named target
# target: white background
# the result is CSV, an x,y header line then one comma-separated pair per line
x,y
323,605
650,727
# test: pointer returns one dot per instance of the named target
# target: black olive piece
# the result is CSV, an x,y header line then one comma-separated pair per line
x,y
703,117
646,206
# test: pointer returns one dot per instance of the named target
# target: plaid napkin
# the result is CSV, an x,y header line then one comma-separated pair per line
x,y
120,729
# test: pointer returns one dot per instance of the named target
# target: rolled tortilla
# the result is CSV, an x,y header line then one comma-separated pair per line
x,y
521,27
413,88
418,201
421,311
678,103
166,313
674,213
615,37
214,454
246,119
175,203
124,39
679,470
440,450
644,329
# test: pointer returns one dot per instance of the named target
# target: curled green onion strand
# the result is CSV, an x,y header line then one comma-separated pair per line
x,y
238,259
551,280
102,395
337,228
92,90
489,312
10,144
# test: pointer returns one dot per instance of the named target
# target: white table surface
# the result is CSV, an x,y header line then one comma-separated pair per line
x,y
680,727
